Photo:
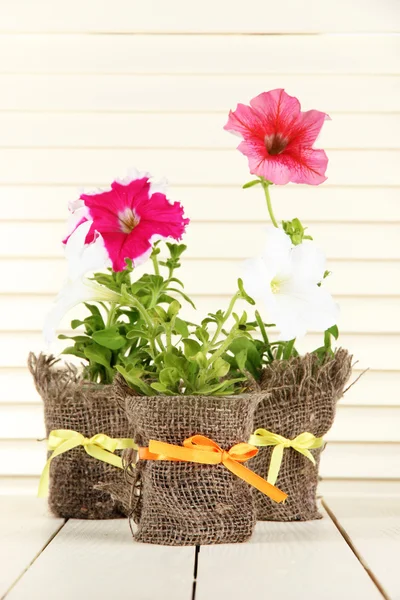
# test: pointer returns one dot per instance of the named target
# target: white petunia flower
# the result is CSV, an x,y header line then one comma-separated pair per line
x,y
286,278
82,258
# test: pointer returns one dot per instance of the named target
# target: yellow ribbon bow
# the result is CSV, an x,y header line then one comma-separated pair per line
x,y
203,450
303,443
99,446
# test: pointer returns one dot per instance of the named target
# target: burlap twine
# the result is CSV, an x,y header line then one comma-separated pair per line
x,y
303,396
186,504
88,408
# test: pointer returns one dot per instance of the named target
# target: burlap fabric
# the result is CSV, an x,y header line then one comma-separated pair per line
x,y
71,403
302,397
182,503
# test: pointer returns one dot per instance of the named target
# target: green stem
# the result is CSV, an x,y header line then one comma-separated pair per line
x,y
269,204
111,313
226,317
155,264
160,343
224,346
143,312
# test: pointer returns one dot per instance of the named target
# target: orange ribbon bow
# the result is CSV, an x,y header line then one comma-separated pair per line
x,y
200,449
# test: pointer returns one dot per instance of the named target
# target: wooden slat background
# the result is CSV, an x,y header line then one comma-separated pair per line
x,y
89,89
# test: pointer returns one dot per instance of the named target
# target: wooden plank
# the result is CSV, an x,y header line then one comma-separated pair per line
x,y
188,93
97,558
204,277
43,240
340,460
375,388
26,528
360,461
316,204
281,559
28,313
373,528
19,486
156,16
356,488
14,348
186,167
352,424
246,55
141,130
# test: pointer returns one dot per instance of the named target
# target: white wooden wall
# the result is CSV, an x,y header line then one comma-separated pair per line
x,y
89,88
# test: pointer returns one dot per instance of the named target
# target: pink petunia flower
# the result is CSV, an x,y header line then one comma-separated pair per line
x,y
130,218
278,138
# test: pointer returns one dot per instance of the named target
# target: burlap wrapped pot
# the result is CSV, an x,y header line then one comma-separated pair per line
x,y
183,503
302,397
87,408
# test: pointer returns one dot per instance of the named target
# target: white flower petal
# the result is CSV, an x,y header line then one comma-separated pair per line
x,y
322,311
309,262
257,278
73,293
159,187
84,258
132,175
277,252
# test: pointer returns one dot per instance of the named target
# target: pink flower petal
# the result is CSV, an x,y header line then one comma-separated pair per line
x,y
278,108
307,128
309,167
244,121
129,219
278,138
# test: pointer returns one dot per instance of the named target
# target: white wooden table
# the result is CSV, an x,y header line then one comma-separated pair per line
x,y
352,554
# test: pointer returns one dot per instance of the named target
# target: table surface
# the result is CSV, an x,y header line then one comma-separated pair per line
x,y
352,553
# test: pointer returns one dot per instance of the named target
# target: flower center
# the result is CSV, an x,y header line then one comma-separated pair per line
x,y
275,286
275,143
128,220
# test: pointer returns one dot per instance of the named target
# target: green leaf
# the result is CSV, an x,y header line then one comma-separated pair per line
x,y
173,309
159,387
243,293
241,359
161,313
201,359
73,351
98,354
93,309
287,352
80,339
253,362
334,331
135,381
250,184
220,387
136,333
191,347
181,327
109,338
170,378
184,296
76,323
220,368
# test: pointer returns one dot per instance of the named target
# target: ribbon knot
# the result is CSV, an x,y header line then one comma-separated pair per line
x,y
303,443
203,450
99,446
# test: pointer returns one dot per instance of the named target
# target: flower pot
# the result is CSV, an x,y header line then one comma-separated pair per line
x,y
302,398
73,404
184,503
